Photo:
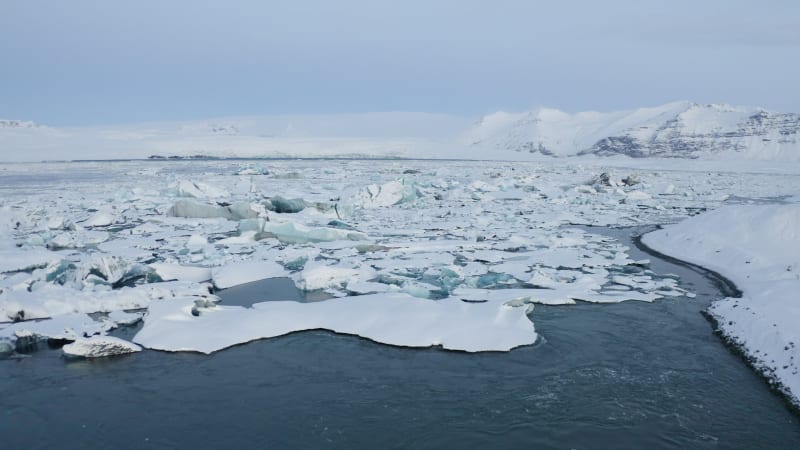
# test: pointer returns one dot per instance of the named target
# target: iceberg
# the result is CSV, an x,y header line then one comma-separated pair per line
x,y
387,194
170,272
197,210
186,188
98,347
236,273
285,205
296,233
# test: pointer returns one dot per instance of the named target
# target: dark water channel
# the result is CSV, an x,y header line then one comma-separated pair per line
x,y
632,375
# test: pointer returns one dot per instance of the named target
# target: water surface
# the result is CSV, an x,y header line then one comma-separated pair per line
x,y
603,376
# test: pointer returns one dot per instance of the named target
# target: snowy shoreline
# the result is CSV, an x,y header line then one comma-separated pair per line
x,y
755,247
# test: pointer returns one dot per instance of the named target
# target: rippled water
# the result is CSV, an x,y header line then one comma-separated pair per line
x,y
604,376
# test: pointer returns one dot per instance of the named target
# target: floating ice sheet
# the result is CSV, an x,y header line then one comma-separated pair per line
x,y
395,319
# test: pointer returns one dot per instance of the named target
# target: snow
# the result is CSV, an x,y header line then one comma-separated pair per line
x,y
758,248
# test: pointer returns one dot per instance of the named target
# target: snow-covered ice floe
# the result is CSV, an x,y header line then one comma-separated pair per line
x,y
409,253
758,248
395,319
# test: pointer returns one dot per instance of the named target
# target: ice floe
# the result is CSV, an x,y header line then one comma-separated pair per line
x,y
395,319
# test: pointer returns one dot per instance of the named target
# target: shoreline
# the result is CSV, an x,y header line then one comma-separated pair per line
x,y
729,289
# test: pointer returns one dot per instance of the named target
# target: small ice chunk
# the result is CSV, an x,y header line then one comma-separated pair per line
x,y
56,223
124,318
78,239
369,287
296,233
635,196
186,188
252,170
68,326
99,346
285,205
323,277
237,273
196,243
99,220
197,210
618,296
387,194
169,272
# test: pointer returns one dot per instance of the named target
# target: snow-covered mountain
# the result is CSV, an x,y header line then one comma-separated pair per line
x,y
680,129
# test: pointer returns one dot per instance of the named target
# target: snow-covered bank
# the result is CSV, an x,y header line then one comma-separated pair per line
x,y
758,248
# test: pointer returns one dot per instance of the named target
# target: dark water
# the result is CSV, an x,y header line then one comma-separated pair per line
x,y
632,375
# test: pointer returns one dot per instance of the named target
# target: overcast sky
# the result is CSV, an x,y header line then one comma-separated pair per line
x,y
81,62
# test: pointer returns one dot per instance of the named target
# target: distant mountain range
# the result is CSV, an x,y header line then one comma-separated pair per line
x,y
681,129
674,130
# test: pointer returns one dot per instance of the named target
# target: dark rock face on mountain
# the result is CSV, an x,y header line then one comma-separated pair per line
x,y
762,129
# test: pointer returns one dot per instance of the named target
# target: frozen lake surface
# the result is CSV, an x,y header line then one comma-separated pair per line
x,y
615,352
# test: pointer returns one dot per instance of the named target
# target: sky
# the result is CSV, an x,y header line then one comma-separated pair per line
x,y
82,62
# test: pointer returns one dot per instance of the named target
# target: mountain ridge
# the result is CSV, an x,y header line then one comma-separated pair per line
x,y
678,129
674,130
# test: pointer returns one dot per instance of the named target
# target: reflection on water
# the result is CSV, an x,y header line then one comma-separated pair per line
x,y
609,376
